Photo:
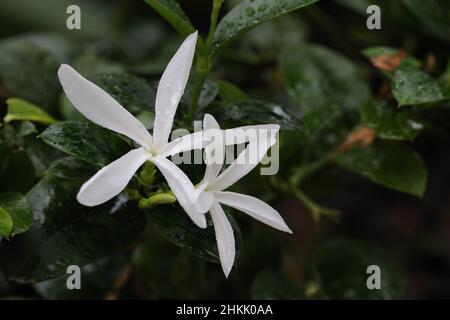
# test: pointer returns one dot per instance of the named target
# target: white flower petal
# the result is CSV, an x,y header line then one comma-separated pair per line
x,y
214,165
182,188
98,106
171,88
246,161
185,143
232,137
112,179
254,207
224,238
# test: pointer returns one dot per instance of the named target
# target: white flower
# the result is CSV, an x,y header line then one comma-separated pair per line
x,y
213,186
99,107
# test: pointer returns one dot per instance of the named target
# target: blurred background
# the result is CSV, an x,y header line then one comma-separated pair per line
x,y
408,237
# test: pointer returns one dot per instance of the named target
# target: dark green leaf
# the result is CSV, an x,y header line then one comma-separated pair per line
x,y
66,233
207,95
19,109
389,123
316,76
175,225
6,223
250,13
29,72
253,112
72,168
392,165
16,207
97,281
230,93
411,87
172,12
18,173
273,285
133,93
86,141
340,267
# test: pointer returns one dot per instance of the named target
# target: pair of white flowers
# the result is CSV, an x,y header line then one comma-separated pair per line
x,y
99,107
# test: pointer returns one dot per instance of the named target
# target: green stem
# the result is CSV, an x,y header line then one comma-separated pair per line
x,y
316,210
307,170
204,62
156,200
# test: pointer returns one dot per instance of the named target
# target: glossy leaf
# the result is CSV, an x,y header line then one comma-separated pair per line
x,y
174,14
413,87
23,110
66,233
6,223
86,141
133,93
16,207
253,112
250,13
230,93
389,123
316,76
340,267
72,168
175,225
392,165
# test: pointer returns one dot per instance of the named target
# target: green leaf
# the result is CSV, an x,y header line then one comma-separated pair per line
x,y
230,93
86,141
29,72
207,94
132,92
316,76
176,226
17,173
389,123
273,285
248,14
98,280
432,15
253,112
65,232
392,165
413,87
174,14
6,223
19,109
72,168
15,214
340,268
25,128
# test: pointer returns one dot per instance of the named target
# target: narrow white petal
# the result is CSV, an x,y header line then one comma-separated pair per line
x,y
98,106
254,207
182,188
214,164
112,179
171,88
185,143
224,238
238,135
246,161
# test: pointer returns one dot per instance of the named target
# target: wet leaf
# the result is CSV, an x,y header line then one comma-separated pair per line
x,y
72,168
248,14
390,123
413,87
340,267
176,226
22,110
14,206
253,112
316,76
392,165
86,141
132,92
65,232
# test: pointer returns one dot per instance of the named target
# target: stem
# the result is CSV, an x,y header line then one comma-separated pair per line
x,y
316,210
306,170
204,62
